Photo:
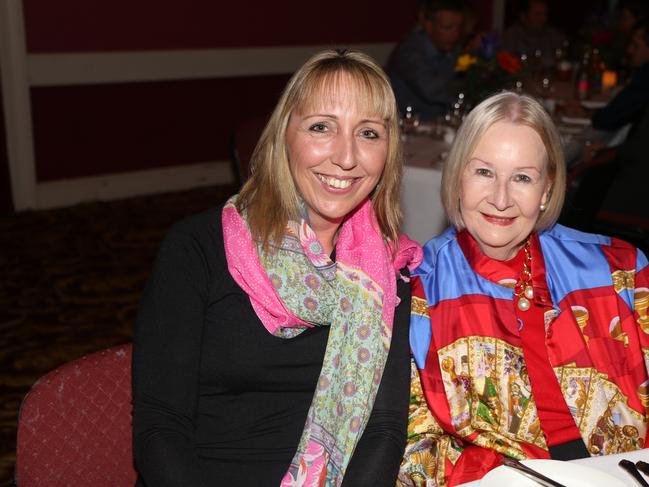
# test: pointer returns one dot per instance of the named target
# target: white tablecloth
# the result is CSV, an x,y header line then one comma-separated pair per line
x,y
423,214
606,463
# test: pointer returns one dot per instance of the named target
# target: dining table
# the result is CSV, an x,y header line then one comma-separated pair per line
x,y
573,116
606,464
423,214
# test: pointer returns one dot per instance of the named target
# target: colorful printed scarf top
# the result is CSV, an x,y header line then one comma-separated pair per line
x,y
295,285
474,401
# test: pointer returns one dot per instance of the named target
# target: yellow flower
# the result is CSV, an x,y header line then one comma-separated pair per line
x,y
465,61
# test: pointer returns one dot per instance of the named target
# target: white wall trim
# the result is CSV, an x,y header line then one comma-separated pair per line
x,y
17,105
21,71
68,192
114,67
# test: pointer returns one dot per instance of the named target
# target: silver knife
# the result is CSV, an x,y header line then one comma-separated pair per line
x,y
530,473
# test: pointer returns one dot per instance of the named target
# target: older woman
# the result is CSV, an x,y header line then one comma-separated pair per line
x,y
530,339
272,339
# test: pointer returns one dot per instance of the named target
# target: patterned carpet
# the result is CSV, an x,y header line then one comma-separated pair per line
x,y
71,279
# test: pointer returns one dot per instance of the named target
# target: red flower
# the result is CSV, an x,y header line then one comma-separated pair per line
x,y
509,62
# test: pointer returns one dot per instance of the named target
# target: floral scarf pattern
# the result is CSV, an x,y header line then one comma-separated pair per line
x,y
295,285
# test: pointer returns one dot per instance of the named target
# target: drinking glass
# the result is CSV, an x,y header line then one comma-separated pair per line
x,y
409,122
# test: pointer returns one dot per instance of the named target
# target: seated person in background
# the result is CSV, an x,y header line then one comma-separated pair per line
x,y
615,181
529,338
422,66
531,33
629,14
627,107
627,188
629,104
271,345
626,193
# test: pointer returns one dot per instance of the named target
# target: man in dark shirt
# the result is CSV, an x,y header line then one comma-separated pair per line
x,y
422,66
531,35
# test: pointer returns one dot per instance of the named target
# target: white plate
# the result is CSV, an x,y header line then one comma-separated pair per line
x,y
568,473
592,104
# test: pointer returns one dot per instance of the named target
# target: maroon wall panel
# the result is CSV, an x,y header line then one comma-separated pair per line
x,y
131,25
101,129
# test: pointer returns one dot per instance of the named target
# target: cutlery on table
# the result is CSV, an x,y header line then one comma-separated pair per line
x,y
531,473
633,471
642,466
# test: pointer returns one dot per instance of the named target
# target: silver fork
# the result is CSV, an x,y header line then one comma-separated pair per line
x,y
531,473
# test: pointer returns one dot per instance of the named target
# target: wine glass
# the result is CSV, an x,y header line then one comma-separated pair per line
x,y
409,122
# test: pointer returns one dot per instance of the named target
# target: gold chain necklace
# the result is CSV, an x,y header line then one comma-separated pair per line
x,y
523,289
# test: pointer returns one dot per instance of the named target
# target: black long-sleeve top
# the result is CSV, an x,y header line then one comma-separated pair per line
x,y
629,104
217,399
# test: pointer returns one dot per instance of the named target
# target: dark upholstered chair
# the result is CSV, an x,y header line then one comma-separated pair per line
x,y
242,145
75,428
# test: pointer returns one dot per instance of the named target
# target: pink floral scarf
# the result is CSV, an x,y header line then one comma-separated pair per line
x,y
295,285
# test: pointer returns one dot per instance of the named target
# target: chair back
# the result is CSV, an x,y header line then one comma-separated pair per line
x,y
74,427
242,145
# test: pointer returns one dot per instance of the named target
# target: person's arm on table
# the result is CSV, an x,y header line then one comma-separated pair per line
x,y
623,109
166,365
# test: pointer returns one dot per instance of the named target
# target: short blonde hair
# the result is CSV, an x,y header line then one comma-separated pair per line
x,y
270,197
510,107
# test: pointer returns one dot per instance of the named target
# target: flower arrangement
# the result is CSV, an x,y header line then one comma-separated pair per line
x,y
488,70
599,32
464,62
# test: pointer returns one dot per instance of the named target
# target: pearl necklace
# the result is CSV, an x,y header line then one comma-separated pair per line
x,y
523,289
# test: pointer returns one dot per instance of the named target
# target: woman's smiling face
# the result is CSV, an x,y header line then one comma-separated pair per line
x,y
336,154
503,186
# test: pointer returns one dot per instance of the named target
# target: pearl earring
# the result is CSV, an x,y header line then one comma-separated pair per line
x,y
542,207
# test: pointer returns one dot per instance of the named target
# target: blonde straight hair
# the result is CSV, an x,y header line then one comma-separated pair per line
x,y
510,107
269,197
